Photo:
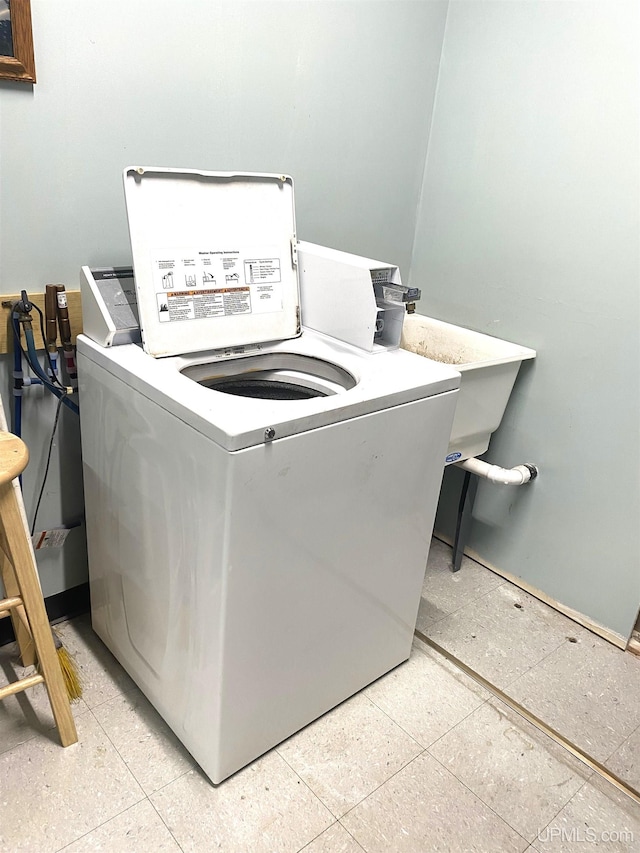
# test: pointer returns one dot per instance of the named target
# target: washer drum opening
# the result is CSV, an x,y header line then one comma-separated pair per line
x,y
273,376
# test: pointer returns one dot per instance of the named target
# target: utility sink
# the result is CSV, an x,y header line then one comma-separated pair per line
x,y
488,366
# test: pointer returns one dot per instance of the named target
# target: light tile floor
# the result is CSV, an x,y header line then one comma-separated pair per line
x,y
423,760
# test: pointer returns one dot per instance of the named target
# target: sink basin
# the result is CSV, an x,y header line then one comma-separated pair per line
x,y
488,366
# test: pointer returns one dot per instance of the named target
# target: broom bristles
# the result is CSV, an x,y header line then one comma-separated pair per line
x,y
70,674
68,667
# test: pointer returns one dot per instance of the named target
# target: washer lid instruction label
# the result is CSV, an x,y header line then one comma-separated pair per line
x,y
195,284
262,269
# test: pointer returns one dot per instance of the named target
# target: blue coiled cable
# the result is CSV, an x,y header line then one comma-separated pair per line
x,y
32,360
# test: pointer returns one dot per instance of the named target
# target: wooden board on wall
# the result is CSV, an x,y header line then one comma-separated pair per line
x,y
6,333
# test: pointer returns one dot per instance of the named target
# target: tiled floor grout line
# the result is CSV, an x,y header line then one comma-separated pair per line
x,y
26,740
104,823
439,642
395,722
614,750
489,627
462,606
619,747
541,661
479,798
573,796
164,823
146,796
462,782
504,582
525,660
438,660
597,767
337,822
315,837
468,603
425,748
306,784
377,788
123,692
120,756
351,835
368,698
422,748
466,717
465,557
186,773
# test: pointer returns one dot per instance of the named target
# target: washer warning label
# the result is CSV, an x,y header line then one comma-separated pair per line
x,y
198,304
197,284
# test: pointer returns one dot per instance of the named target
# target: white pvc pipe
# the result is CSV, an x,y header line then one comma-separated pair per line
x,y
495,474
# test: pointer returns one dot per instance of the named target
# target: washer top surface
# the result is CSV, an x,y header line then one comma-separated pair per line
x,y
352,383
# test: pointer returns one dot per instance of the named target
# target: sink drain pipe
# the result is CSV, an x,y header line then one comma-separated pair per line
x,y
517,476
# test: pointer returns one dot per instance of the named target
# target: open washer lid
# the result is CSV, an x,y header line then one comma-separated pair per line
x,y
214,255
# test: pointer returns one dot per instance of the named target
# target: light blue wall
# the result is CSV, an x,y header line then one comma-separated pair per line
x,y
527,218
529,230
338,94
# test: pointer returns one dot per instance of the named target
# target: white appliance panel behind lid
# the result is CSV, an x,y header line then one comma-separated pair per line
x,y
214,258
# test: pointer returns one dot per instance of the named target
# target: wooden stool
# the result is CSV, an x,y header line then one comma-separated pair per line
x,y
24,602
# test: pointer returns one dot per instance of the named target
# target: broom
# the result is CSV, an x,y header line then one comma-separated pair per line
x,y
69,670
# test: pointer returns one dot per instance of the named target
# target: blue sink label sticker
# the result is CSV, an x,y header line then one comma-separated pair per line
x,y
452,457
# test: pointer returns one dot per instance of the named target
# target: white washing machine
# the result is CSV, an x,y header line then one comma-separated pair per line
x,y
259,510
